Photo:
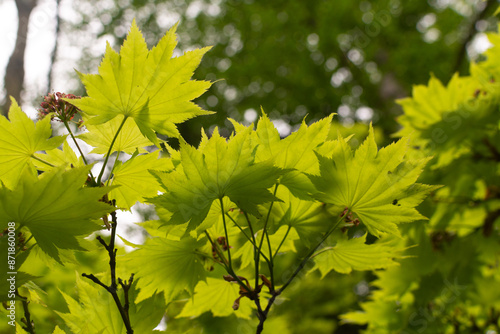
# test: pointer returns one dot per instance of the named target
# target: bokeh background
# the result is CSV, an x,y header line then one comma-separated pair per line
x,y
294,59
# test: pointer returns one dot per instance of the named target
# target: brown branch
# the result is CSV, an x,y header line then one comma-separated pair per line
x,y
30,326
113,287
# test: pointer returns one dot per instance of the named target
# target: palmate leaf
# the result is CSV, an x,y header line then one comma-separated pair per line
x,y
172,266
150,87
56,157
377,186
216,169
217,296
19,140
355,254
308,218
128,140
295,152
135,181
96,312
55,207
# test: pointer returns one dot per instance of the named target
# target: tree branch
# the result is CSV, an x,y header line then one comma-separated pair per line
x,y
113,287
30,326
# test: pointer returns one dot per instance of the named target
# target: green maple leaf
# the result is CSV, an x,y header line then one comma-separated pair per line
x,y
295,152
217,296
55,207
216,169
58,330
172,266
128,140
96,312
308,218
56,157
135,181
150,87
19,140
355,254
377,186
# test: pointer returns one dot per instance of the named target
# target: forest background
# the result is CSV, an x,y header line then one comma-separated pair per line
x,y
294,58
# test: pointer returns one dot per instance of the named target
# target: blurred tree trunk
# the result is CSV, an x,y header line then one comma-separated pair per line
x,y
53,56
14,74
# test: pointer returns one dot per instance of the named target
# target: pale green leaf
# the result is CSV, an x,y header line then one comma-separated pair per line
x,y
150,87
58,330
216,169
172,266
217,296
128,140
135,182
355,254
19,140
56,207
95,311
294,153
56,157
378,186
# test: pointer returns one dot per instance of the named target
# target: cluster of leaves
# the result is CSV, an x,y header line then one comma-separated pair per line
x,y
452,285
228,210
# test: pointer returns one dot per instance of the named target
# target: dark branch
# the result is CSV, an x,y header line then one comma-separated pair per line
x,y
113,287
30,326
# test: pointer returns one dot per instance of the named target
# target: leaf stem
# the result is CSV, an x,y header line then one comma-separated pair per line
x,y
215,246
226,234
45,162
257,256
113,168
77,146
251,239
283,240
109,151
225,263
311,252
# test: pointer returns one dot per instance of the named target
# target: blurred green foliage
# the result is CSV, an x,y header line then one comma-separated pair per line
x,y
296,58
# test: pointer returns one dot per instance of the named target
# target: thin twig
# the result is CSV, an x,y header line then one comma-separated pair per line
x,y
262,314
113,287
30,327
110,149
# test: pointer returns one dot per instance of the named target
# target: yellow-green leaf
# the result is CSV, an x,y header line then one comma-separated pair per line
x,y
19,140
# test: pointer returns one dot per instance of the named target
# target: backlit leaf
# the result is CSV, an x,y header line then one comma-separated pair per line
x,y
19,140
56,207
172,266
216,296
377,186
150,87
135,181
355,254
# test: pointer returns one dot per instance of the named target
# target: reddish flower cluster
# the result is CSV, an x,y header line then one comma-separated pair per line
x,y
62,110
